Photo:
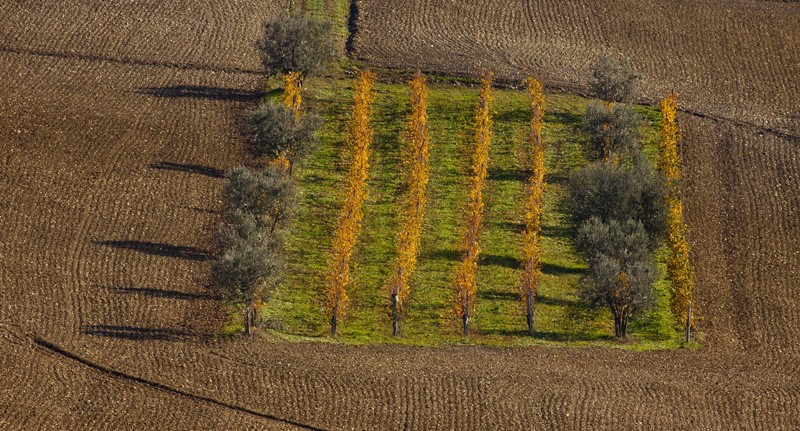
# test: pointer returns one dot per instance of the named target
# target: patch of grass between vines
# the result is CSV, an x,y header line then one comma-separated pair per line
x,y
296,310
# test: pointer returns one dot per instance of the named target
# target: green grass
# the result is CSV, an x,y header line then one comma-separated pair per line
x,y
296,308
337,11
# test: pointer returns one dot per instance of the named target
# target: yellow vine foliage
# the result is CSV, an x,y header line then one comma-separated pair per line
x,y
291,91
349,224
465,285
291,99
532,235
679,268
417,155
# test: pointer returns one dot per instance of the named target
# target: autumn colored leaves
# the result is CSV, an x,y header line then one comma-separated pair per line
x,y
398,283
466,287
417,155
679,269
349,225
412,206
532,235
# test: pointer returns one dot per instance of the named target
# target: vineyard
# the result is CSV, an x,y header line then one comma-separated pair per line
x,y
500,318
119,122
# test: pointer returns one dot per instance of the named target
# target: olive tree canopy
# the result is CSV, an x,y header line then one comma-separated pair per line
x,y
294,42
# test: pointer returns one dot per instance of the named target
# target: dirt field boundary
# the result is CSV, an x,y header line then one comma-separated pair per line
x,y
155,385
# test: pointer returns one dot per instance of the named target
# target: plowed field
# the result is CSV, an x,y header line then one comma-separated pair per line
x,y
116,121
736,59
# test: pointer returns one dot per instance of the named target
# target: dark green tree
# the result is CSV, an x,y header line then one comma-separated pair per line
x,y
268,195
279,132
632,191
294,42
249,267
621,269
614,79
613,130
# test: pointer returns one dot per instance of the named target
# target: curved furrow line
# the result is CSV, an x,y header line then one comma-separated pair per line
x,y
158,386
32,370
779,310
721,60
145,32
101,202
31,259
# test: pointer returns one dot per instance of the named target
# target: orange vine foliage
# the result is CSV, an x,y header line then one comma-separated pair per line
x,y
349,224
465,285
679,268
417,155
532,235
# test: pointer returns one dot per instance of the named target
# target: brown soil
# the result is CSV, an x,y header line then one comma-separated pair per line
x,y
115,124
735,59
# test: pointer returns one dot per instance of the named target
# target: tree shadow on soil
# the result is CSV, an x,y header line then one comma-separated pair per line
x,y
208,171
203,92
200,210
163,293
136,333
160,249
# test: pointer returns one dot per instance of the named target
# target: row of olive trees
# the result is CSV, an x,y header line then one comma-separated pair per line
x,y
618,201
250,259
258,203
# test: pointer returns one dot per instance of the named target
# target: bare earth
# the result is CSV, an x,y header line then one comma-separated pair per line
x,y
117,119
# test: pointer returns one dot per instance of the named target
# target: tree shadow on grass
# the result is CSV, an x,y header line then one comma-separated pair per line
x,y
136,333
496,260
449,255
556,178
557,232
573,120
514,116
499,174
160,249
555,302
515,227
498,295
551,269
208,171
203,92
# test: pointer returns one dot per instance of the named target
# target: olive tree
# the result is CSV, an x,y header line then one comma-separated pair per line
x,y
279,132
621,269
612,129
268,195
614,79
632,191
294,42
250,266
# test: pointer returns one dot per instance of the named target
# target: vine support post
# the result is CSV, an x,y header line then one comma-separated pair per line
x,y
395,316
688,323
529,306
465,316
